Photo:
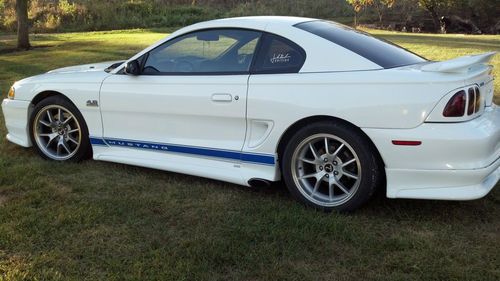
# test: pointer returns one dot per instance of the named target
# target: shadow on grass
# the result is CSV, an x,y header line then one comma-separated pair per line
x,y
97,218
409,210
4,51
20,68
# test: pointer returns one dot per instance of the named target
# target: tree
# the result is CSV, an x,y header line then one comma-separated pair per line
x,y
434,7
381,6
23,40
406,9
358,5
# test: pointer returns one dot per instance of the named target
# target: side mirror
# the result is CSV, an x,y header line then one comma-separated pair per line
x,y
133,68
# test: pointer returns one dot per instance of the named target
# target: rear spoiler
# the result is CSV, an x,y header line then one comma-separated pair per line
x,y
458,65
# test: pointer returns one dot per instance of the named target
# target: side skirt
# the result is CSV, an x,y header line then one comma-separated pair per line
x,y
228,166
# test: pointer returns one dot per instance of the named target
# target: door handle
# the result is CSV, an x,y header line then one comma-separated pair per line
x,y
222,97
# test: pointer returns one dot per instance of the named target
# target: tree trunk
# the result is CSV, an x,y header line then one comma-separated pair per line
x,y
355,19
380,13
435,19
23,40
432,7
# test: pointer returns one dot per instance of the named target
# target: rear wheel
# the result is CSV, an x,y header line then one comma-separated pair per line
x,y
331,166
58,130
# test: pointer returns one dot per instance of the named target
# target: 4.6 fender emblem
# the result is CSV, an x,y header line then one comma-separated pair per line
x,y
92,103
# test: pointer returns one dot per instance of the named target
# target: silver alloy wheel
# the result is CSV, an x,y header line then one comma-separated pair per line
x,y
57,132
326,170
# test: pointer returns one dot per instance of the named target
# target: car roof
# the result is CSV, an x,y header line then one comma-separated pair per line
x,y
286,20
252,22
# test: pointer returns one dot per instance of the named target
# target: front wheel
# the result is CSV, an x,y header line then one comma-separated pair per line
x,y
331,166
58,130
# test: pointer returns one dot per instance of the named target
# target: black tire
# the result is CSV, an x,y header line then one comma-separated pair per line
x,y
81,151
369,164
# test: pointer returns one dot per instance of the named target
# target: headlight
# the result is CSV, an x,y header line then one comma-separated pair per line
x,y
12,93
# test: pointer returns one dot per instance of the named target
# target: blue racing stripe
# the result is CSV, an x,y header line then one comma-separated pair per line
x,y
264,159
258,158
95,141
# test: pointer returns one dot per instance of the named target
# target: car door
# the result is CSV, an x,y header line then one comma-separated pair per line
x,y
189,98
272,92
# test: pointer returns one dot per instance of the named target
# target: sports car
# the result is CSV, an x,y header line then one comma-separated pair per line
x,y
331,111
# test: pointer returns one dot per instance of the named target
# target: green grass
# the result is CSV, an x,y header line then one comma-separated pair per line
x,y
105,221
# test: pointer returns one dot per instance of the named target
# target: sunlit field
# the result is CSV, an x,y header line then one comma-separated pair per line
x,y
105,221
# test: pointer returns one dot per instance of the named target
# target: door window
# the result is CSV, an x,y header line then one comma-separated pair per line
x,y
222,51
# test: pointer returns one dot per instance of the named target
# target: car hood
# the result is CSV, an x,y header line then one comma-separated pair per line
x,y
87,73
91,67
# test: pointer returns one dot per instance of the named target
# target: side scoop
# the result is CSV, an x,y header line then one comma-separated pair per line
x,y
458,65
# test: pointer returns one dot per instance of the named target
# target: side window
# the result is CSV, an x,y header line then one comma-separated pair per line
x,y
279,55
248,48
224,51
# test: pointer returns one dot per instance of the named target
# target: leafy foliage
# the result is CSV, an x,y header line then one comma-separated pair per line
x,y
358,5
81,15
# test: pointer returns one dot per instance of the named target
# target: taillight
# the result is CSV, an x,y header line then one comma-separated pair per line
x,y
478,100
456,105
471,103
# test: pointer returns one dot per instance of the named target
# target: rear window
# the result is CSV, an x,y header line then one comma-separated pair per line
x,y
379,51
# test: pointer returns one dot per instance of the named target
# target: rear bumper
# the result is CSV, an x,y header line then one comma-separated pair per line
x,y
456,161
443,184
16,120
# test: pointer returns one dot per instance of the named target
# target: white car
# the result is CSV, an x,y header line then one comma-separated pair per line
x,y
332,111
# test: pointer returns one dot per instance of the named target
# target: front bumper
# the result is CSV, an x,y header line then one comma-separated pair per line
x,y
456,161
16,120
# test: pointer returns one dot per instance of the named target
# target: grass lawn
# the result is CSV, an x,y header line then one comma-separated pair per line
x,y
104,221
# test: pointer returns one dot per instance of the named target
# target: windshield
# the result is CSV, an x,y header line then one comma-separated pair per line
x,y
379,51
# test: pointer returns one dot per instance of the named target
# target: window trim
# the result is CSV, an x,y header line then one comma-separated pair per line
x,y
211,73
